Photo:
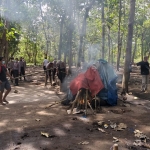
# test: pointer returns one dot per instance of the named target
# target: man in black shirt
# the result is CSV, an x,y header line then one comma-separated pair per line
x,y
4,84
145,73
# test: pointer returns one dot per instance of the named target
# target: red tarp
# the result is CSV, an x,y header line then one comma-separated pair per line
x,y
88,80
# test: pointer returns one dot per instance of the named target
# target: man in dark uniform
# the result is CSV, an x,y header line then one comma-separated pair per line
x,y
145,73
4,84
61,71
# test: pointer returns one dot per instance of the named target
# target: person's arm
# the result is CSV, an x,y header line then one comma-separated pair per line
x,y
138,64
7,73
24,65
19,68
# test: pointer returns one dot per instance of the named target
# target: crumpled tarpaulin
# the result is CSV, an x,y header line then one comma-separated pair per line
x,y
109,79
88,80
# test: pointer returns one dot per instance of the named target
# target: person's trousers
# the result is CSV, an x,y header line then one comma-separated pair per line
x,y
10,71
54,72
16,74
22,73
50,75
62,74
145,80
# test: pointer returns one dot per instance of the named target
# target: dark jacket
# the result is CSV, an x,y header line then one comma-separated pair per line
x,y
144,67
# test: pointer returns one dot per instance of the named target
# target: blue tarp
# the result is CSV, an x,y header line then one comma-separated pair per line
x,y
109,79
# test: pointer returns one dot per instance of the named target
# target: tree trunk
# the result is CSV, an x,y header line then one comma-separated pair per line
x,y
60,38
35,54
83,30
142,47
70,33
6,52
135,47
119,36
109,44
126,73
103,31
44,29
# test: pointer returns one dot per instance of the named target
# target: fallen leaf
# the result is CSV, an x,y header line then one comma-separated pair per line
x,y
45,134
100,123
113,126
140,135
83,143
37,120
137,143
15,91
121,126
105,126
100,129
115,139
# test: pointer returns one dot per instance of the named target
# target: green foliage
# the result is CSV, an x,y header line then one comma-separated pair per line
x,y
34,27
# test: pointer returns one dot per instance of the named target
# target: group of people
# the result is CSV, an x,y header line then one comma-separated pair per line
x,y
53,68
16,68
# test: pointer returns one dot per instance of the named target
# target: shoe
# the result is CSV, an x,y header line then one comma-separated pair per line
x,y
6,101
146,92
142,91
1,103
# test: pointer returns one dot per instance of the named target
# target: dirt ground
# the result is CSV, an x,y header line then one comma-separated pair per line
x,y
28,115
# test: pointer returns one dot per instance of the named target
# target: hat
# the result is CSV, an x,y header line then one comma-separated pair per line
x,y
1,58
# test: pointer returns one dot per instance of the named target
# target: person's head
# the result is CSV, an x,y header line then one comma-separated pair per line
x,y
20,58
78,65
16,60
145,58
45,57
1,61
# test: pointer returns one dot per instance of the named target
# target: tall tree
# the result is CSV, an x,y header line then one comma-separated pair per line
x,y
83,30
103,30
119,35
126,74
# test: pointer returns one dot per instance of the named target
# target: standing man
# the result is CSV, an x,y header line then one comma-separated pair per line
x,y
9,64
22,68
61,71
16,71
145,73
45,62
54,68
4,84
49,72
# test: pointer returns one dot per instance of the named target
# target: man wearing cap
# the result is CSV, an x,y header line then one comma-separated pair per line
x,y
4,84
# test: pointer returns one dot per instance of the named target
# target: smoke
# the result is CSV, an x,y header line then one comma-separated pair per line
x,y
12,10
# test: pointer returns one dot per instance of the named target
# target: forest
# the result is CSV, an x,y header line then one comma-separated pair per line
x,y
115,35
71,30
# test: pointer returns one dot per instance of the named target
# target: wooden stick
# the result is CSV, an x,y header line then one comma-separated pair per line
x,y
86,101
115,147
95,102
76,99
91,108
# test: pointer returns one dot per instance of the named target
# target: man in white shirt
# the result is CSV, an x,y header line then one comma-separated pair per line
x,y
45,62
